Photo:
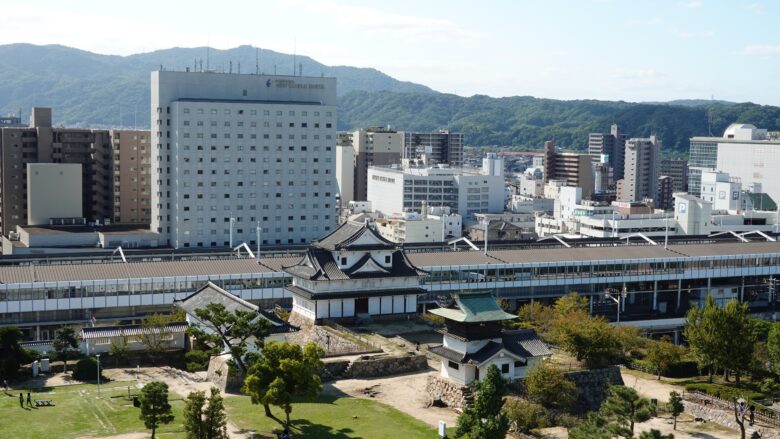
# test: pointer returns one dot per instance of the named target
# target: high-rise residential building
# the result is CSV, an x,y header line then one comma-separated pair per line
x,y
612,145
132,176
575,169
394,190
677,169
665,192
41,143
345,173
235,153
640,171
744,152
375,146
438,147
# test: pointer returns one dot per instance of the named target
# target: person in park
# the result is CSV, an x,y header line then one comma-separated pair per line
x,y
21,400
29,400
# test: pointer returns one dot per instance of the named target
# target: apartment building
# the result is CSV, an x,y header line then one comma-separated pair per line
x,y
234,155
575,169
41,143
132,176
394,190
611,145
376,146
439,147
640,173
677,169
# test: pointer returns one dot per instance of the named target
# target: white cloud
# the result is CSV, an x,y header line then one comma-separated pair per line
x,y
762,49
694,4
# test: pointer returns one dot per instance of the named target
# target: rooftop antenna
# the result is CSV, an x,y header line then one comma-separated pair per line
x,y
300,69
231,67
239,67
195,65
201,65
274,69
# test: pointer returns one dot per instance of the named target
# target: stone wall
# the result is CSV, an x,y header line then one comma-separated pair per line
x,y
329,340
725,418
454,395
373,366
219,374
592,387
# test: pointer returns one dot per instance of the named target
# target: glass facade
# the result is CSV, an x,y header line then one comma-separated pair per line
x,y
703,154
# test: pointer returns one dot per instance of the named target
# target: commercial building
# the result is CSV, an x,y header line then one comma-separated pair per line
x,y
11,121
132,176
611,145
640,171
375,146
53,191
678,170
235,153
744,151
345,173
395,190
94,150
575,169
438,147
421,227
665,192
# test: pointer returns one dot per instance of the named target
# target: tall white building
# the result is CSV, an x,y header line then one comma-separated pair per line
x,y
394,190
642,162
232,153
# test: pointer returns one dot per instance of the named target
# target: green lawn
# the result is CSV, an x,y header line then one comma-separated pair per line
x,y
78,412
330,417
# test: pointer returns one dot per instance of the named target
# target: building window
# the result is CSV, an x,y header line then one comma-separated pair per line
x,y
453,365
387,259
343,261
505,368
520,363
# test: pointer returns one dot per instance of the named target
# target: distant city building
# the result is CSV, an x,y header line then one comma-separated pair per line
x,y
376,146
10,121
95,150
394,190
611,145
665,192
575,169
345,172
132,176
236,152
440,147
692,214
415,227
641,167
678,170
744,151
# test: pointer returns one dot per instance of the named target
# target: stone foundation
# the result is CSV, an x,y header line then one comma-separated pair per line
x,y
380,366
219,374
329,340
726,419
592,386
454,395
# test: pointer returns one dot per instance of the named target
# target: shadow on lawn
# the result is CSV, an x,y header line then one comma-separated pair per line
x,y
304,428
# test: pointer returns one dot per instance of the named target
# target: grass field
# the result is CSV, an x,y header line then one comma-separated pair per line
x,y
78,412
330,417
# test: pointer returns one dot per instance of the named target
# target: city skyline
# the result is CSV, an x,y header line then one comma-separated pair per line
x,y
649,52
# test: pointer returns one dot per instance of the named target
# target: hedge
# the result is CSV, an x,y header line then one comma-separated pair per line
x,y
724,392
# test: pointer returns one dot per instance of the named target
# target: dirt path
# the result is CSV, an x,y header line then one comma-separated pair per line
x,y
403,392
650,388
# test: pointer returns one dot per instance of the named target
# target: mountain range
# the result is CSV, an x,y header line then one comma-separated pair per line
x,y
89,89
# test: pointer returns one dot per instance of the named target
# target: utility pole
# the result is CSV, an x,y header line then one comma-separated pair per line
x,y
617,296
772,283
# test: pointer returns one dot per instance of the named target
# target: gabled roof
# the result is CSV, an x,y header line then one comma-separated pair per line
x,y
526,343
474,308
521,344
318,264
352,235
130,330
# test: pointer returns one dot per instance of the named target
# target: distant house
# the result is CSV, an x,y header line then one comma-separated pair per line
x,y
474,339
211,293
98,340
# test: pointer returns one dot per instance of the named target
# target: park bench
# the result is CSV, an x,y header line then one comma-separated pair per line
x,y
43,402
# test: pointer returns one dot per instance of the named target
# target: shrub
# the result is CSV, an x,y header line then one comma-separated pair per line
x,y
524,415
724,392
86,369
197,360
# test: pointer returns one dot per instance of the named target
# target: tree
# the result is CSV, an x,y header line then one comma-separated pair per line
x,y
703,334
524,415
738,339
773,348
233,330
623,407
740,412
594,427
193,415
11,353
485,419
65,345
283,371
663,354
215,420
675,406
590,339
119,350
655,434
156,335
155,408
548,385
537,316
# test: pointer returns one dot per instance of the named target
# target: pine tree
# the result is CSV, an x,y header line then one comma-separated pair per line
x,y
155,408
193,415
215,422
675,406
485,419
623,407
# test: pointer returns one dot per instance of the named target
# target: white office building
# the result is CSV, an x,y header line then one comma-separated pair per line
x,y
234,153
394,190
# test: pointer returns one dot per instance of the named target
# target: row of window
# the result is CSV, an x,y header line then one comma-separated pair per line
x,y
228,111
188,135
240,124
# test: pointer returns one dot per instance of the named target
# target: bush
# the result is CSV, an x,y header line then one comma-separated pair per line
x,y
197,360
524,415
724,392
86,370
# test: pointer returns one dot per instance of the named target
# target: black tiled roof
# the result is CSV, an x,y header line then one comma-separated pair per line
x,y
446,353
318,264
525,342
353,293
349,232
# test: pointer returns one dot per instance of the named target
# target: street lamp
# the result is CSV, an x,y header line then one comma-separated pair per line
x,y
617,296
486,223
98,374
232,220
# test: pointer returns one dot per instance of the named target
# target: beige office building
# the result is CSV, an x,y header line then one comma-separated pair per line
x,y
642,166
132,176
575,169
375,146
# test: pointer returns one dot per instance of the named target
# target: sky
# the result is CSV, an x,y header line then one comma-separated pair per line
x,y
632,50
